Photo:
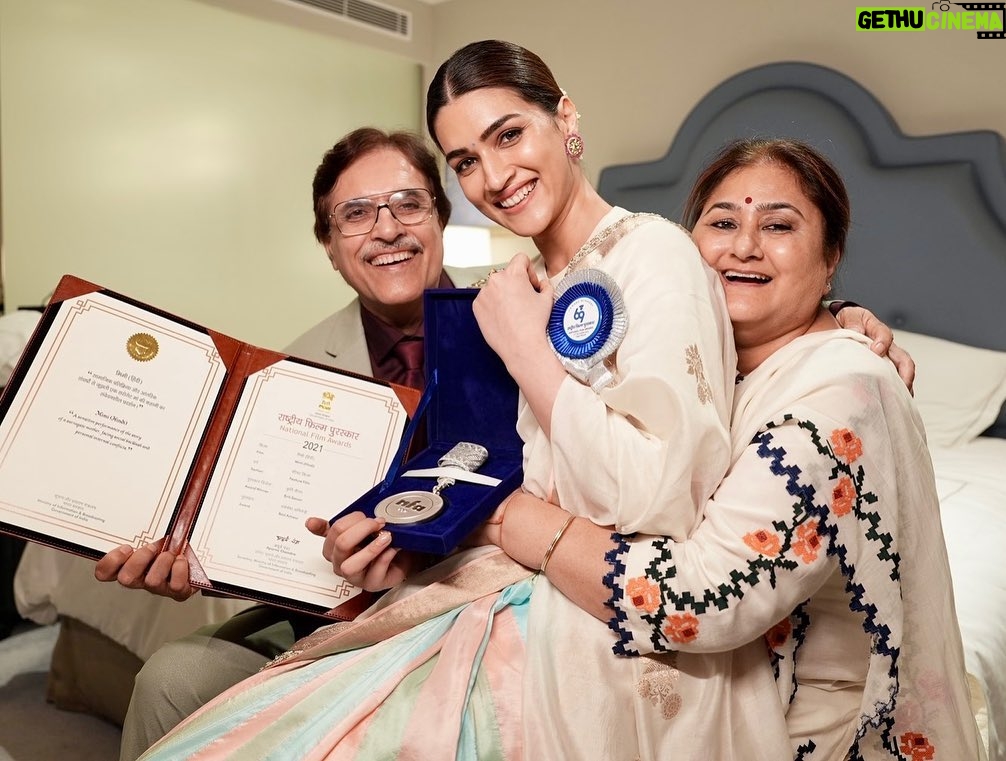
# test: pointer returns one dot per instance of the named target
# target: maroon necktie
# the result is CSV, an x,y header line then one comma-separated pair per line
x,y
410,351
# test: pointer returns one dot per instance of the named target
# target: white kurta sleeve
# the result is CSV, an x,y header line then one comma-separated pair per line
x,y
764,547
645,453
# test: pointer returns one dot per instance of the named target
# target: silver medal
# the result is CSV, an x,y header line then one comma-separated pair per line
x,y
409,507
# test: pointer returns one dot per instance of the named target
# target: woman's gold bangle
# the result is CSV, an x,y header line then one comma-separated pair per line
x,y
555,540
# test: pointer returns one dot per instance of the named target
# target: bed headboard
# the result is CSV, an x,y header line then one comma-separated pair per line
x,y
927,246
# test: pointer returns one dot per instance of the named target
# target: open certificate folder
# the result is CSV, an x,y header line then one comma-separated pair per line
x,y
123,424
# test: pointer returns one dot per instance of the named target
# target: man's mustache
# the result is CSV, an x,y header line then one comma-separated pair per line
x,y
403,242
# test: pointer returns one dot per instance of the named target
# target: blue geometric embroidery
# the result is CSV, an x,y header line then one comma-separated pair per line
x,y
765,569
613,557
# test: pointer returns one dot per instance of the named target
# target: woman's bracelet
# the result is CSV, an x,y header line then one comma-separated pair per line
x,y
555,540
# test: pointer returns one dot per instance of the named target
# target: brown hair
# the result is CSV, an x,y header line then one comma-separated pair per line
x,y
359,143
492,63
818,178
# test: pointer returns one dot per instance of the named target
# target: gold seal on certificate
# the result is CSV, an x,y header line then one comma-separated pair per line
x,y
418,506
142,347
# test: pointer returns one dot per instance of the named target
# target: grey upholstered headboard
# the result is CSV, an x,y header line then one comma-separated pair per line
x,y
927,248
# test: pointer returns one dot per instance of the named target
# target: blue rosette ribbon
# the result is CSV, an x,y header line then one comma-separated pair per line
x,y
587,325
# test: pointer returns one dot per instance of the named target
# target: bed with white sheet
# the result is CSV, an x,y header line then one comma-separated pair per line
x,y
927,253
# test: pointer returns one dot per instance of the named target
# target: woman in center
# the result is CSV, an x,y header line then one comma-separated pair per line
x,y
637,443
630,433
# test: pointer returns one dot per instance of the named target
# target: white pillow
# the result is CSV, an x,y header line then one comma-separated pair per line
x,y
959,389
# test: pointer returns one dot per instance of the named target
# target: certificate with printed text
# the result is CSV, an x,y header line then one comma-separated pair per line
x,y
123,424
303,442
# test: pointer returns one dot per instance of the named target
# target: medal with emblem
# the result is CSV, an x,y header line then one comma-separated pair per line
x,y
409,507
587,324
417,506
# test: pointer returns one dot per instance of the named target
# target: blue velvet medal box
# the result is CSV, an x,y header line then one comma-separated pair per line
x,y
469,396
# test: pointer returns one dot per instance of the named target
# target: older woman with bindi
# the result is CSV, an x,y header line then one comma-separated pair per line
x,y
822,547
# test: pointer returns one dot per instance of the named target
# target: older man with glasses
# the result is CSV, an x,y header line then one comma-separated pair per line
x,y
380,210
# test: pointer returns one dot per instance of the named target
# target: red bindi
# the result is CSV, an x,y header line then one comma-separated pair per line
x,y
747,200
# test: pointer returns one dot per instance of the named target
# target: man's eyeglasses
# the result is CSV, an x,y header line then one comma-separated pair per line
x,y
358,216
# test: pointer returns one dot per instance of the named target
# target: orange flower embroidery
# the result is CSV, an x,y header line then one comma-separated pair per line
x,y
764,542
917,746
842,496
778,634
808,542
643,593
682,627
846,444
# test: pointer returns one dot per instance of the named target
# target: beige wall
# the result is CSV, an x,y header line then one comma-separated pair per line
x,y
419,46
636,68
165,148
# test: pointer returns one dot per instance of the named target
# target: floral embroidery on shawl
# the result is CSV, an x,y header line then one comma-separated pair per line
x,y
681,627
767,543
808,542
917,747
644,593
846,445
777,636
764,542
812,526
694,360
842,496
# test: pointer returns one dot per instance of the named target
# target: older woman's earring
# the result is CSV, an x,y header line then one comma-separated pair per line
x,y
574,146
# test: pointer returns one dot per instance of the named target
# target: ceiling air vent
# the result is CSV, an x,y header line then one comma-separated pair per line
x,y
382,18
